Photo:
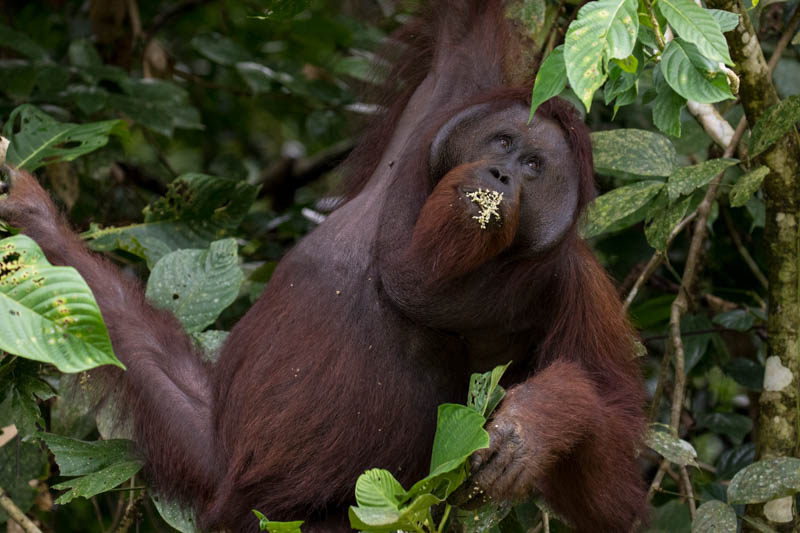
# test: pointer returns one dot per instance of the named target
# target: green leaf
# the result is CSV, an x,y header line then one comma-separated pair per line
x,y
20,391
485,392
93,484
604,28
196,285
284,9
756,523
23,44
696,25
630,64
685,180
774,123
727,21
738,320
670,447
550,80
176,514
459,433
196,210
378,488
714,516
82,53
265,524
645,153
765,480
50,313
219,49
667,106
736,426
79,457
41,140
21,462
747,185
158,105
691,81
661,222
616,205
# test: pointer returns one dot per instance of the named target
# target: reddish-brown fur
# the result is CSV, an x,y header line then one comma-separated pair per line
x,y
377,317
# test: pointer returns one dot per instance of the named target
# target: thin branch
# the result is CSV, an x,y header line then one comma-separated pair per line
x,y
687,485
657,479
654,262
16,514
737,241
783,42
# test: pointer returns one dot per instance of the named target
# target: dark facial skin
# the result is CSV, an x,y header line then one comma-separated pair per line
x,y
515,155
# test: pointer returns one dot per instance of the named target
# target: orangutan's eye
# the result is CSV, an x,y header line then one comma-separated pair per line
x,y
533,163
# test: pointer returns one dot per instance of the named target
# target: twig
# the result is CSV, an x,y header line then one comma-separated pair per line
x,y
783,42
655,261
656,484
98,514
130,514
16,514
687,485
737,241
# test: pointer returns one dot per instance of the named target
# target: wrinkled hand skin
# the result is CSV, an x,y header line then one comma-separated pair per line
x,y
27,205
508,468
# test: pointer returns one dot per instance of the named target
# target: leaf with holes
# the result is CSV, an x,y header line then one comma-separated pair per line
x,y
197,285
196,210
603,29
645,153
41,140
696,25
765,480
684,72
747,185
774,123
97,482
50,314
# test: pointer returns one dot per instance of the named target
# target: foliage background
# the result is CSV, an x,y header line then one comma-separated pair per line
x,y
268,93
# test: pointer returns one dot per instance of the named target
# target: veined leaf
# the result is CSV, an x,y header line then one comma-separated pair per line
x,y
50,313
617,204
645,153
765,480
196,285
685,180
696,25
603,28
670,447
41,140
727,21
689,80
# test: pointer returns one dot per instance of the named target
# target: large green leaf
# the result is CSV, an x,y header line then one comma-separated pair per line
x,y
774,123
196,210
696,25
459,433
271,526
50,312
197,285
684,72
219,49
667,106
41,140
727,20
617,204
765,480
714,516
550,79
176,514
21,462
685,180
605,28
632,152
